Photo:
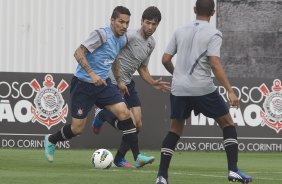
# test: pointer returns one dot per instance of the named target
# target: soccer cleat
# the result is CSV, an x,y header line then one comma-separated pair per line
x,y
143,160
97,122
122,163
161,180
239,176
49,149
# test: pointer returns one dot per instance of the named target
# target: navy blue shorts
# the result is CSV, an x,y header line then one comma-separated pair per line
x,y
211,105
84,95
132,100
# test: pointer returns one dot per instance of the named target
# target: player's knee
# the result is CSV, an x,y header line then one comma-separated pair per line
x,y
138,124
123,115
224,121
126,125
177,127
225,124
77,130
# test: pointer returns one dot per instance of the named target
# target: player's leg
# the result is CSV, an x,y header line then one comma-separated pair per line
x,y
67,132
229,140
81,104
142,159
179,112
104,115
231,148
167,150
136,114
212,105
126,125
133,102
101,116
120,160
129,132
111,99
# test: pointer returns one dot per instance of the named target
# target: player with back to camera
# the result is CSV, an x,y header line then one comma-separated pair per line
x,y
133,57
198,55
92,85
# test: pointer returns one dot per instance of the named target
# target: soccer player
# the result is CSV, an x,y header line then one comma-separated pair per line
x,y
133,57
198,55
92,85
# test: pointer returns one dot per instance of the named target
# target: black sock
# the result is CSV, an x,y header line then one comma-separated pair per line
x,y
129,135
123,148
64,134
109,117
231,147
167,151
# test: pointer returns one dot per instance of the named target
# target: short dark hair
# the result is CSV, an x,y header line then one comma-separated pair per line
x,y
120,10
152,13
204,7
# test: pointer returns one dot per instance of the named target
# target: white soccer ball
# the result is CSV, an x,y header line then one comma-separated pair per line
x,y
102,159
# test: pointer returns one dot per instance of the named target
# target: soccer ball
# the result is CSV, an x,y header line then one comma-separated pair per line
x,y
102,159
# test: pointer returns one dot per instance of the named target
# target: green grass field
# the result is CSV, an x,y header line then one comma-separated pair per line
x,y
27,166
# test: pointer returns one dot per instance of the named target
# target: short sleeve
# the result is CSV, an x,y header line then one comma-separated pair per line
x,y
172,45
214,45
130,34
95,40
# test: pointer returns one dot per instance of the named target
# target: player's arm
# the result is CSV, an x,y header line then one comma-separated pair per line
x,y
170,51
166,60
117,74
213,53
223,80
80,56
157,84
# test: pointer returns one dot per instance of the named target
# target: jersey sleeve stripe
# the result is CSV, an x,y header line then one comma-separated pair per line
x,y
100,36
197,61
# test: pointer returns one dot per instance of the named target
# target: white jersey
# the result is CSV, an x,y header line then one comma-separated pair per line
x,y
193,44
136,52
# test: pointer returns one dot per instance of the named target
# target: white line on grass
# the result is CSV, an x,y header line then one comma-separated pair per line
x,y
203,175
183,137
215,176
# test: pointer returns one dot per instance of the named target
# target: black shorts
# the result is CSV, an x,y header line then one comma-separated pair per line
x,y
211,105
84,95
132,100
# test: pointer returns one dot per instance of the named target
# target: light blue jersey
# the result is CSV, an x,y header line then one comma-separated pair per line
x,y
103,47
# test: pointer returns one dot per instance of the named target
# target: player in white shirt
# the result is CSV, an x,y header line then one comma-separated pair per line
x,y
197,46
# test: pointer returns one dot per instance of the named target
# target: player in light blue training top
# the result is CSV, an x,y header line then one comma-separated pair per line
x,y
92,85
102,48
197,46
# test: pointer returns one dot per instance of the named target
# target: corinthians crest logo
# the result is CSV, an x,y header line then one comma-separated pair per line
x,y
272,114
50,108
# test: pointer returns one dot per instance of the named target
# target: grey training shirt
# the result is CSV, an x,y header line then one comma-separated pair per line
x,y
193,44
136,52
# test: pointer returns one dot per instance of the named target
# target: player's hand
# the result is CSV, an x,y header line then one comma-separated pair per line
x,y
123,88
159,84
97,80
233,100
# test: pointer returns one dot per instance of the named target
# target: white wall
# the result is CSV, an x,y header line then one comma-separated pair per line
x,y
41,35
